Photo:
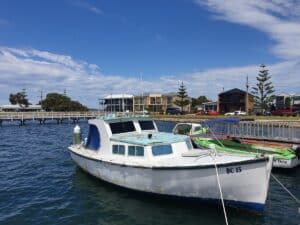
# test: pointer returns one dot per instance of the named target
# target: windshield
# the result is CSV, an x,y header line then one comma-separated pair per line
x,y
183,129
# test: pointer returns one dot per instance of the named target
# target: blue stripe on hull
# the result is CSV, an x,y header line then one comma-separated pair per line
x,y
230,203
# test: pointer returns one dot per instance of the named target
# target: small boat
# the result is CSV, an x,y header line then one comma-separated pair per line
x,y
130,152
284,156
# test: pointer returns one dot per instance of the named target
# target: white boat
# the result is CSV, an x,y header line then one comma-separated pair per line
x,y
131,153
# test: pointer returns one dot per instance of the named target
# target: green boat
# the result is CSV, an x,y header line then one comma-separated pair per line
x,y
283,157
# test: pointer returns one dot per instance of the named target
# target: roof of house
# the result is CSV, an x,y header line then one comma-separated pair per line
x,y
118,96
233,91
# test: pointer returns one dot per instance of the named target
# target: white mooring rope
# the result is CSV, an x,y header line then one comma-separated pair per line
x,y
285,188
220,189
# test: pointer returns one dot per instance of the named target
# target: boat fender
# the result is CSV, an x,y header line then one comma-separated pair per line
x,y
77,135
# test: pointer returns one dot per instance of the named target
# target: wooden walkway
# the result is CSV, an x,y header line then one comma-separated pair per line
x,y
42,117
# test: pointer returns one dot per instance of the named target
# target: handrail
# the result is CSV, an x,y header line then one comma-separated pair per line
x,y
54,115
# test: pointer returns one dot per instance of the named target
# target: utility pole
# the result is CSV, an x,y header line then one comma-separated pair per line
x,y
41,95
247,95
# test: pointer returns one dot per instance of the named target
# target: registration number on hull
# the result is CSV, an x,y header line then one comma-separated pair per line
x,y
237,169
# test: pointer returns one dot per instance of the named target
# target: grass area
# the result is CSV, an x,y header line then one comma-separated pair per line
x,y
205,117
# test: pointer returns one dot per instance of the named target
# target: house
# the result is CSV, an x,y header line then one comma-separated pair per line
x,y
155,102
296,100
235,99
20,108
280,100
118,103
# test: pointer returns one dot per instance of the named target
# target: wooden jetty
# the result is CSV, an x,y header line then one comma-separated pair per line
x,y
42,117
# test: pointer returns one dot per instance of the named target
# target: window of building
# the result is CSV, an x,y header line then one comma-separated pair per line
x,y
146,124
122,127
118,149
162,150
93,140
135,151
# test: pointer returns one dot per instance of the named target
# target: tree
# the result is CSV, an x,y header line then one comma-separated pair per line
x,y
198,101
182,97
264,89
287,102
19,98
59,102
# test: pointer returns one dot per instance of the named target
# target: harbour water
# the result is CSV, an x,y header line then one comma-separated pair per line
x,y
39,184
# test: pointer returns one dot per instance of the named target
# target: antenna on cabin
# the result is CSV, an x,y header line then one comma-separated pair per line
x,y
111,104
142,94
123,107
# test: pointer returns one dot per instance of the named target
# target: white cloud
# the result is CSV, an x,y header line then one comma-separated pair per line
x,y
35,70
280,19
86,5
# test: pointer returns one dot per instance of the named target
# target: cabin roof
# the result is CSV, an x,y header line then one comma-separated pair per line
x,y
120,118
143,139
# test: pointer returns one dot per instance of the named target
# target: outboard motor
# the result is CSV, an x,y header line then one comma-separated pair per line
x,y
296,149
77,135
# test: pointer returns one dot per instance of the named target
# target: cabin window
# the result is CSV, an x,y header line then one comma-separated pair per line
x,y
183,129
135,151
197,128
189,144
161,150
118,149
93,140
146,124
122,127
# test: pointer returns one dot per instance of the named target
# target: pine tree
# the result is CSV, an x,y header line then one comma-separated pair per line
x,y
182,97
264,89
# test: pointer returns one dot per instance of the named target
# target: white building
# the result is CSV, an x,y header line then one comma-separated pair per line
x,y
20,108
118,103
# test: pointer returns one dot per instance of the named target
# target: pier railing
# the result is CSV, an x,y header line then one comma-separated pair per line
x,y
263,130
46,115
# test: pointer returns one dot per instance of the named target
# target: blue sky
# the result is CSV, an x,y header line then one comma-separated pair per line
x,y
94,48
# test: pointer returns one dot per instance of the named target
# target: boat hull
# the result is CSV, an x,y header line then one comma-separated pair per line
x,y
243,184
286,163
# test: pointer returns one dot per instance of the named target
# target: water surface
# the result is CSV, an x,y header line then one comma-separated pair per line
x,y
39,184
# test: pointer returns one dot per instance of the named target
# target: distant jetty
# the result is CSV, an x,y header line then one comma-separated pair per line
x,y
281,130
42,117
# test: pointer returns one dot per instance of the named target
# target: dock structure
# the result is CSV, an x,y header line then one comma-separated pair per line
x,y
267,130
42,117
277,131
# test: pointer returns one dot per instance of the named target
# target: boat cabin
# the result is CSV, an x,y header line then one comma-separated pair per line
x,y
133,139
